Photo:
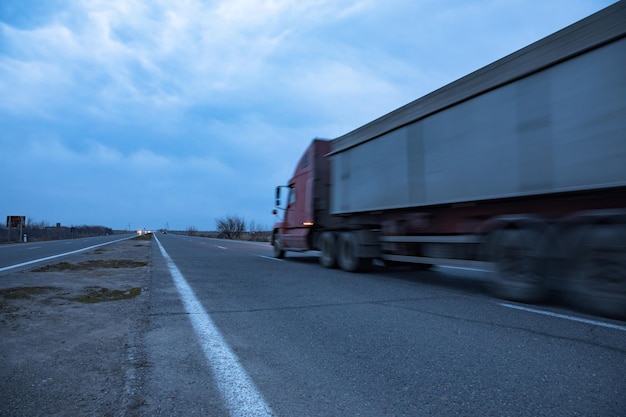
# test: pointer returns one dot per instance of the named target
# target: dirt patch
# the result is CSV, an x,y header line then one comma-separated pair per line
x,y
71,333
99,295
93,264
24,292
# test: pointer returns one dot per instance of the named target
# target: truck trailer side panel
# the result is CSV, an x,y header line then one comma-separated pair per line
x,y
560,129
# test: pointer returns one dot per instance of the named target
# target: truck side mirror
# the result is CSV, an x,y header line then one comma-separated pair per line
x,y
277,196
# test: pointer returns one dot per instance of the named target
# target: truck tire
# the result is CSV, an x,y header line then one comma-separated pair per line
x,y
598,277
516,276
328,249
347,253
279,252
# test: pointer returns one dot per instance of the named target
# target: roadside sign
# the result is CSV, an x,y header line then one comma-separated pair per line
x,y
16,221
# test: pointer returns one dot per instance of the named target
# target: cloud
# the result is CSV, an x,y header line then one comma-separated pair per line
x,y
196,109
168,55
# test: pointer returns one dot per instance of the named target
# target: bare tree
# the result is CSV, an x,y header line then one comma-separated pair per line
x,y
258,233
230,227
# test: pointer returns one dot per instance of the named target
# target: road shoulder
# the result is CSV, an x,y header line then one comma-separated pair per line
x,y
72,333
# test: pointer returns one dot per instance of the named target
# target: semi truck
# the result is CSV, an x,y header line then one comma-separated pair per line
x,y
517,169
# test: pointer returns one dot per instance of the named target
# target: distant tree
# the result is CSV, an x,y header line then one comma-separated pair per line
x,y
191,231
258,233
230,227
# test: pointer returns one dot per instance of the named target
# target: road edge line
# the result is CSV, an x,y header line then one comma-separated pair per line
x,y
565,316
238,391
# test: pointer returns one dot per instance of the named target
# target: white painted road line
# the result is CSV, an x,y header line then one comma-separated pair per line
x,y
220,247
239,393
6,268
245,242
566,317
463,268
253,243
269,257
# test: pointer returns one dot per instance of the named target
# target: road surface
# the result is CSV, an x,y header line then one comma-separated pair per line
x,y
220,328
237,332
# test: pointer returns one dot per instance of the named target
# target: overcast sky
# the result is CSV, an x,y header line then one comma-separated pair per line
x,y
155,113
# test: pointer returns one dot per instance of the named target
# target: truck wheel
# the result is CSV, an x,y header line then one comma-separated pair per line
x,y
328,249
347,253
279,252
516,276
598,276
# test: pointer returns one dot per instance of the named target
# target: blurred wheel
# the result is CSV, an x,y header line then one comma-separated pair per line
x,y
328,249
347,253
598,277
516,276
279,252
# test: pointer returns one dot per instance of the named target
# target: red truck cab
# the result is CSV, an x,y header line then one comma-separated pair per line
x,y
300,202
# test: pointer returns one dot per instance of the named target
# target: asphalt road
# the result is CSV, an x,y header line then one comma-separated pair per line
x,y
19,256
231,331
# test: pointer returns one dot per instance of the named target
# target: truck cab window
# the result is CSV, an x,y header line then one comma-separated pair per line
x,y
292,195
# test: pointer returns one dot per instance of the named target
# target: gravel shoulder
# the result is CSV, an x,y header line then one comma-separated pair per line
x,y
71,334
